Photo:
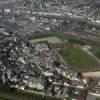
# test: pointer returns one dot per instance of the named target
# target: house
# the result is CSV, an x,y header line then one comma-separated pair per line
x,y
41,46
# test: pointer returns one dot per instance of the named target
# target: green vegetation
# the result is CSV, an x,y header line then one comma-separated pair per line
x,y
77,41
52,39
17,94
82,41
33,89
4,98
77,58
97,98
96,51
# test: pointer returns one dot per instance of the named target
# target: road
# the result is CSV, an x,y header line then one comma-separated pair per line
x,y
92,96
92,74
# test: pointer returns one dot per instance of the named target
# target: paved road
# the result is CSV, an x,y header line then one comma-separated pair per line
x,y
92,96
92,74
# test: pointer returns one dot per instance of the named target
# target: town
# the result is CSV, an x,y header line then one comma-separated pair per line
x,y
30,17
49,49
39,67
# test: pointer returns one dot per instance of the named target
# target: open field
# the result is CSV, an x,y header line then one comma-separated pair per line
x,y
78,59
52,39
96,51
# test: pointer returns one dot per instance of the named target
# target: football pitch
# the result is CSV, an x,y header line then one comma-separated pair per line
x,y
78,59
52,39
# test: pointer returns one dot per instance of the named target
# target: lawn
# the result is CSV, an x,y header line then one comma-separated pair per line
x,y
96,51
52,39
77,58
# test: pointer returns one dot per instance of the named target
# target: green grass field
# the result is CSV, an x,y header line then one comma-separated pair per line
x,y
96,51
77,58
52,39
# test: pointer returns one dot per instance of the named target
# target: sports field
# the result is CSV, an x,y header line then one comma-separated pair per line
x,y
96,51
52,39
77,58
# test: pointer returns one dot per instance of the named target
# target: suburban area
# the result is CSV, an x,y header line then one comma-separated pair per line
x,y
49,50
